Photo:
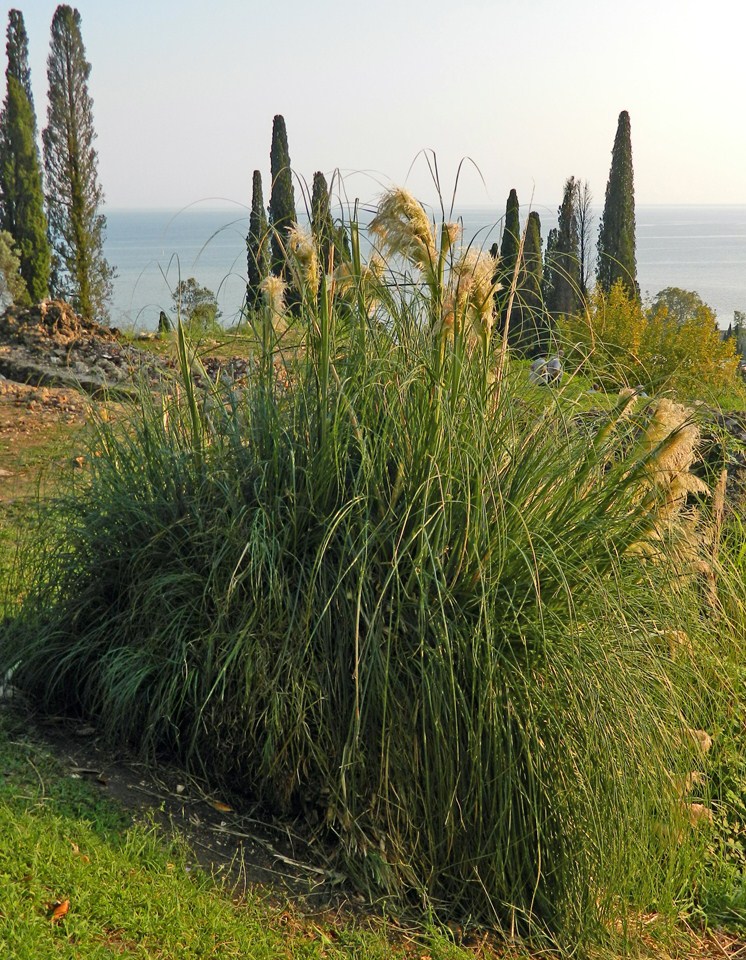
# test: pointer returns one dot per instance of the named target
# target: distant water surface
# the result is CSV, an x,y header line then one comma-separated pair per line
x,y
700,248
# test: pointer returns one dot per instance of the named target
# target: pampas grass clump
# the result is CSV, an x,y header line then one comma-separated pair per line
x,y
396,598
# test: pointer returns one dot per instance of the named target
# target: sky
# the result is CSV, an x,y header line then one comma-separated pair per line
x,y
529,91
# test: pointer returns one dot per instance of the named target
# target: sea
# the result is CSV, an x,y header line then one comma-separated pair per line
x,y
700,248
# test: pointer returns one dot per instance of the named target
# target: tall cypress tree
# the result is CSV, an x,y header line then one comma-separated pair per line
x,y
80,271
257,244
322,224
532,265
282,197
563,259
17,51
532,334
616,238
21,192
509,247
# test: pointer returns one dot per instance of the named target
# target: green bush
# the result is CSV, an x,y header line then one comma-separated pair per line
x,y
674,345
386,590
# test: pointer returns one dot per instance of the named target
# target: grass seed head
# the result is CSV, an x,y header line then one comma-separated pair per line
x,y
273,290
304,258
473,289
450,232
403,229
674,439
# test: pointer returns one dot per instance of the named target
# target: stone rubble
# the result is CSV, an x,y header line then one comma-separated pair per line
x,y
49,345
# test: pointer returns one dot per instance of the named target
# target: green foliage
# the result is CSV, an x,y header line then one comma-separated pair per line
x,y
737,331
282,213
322,224
680,305
393,591
532,323
21,195
509,250
12,285
195,306
329,235
721,883
80,271
257,245
562,290
17,53
617,259
619,343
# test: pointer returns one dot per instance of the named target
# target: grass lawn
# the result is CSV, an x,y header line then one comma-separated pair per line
x,y
79,878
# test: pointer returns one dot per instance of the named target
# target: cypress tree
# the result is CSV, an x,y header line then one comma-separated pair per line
x,y
532,265
21,192
17,51
322,225
616,237
563,260
509,247
80,272
533,331
257,245
282,197
550,254
511,239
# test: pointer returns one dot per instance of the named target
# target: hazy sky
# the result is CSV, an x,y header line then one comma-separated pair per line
x,y
185,91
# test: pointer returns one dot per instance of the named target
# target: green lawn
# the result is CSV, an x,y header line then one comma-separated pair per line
x,y
132,892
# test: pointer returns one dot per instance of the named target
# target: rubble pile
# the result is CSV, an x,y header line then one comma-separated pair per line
x,y
49,345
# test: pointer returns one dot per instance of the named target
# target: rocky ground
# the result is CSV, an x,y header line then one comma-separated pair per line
x,y
49,346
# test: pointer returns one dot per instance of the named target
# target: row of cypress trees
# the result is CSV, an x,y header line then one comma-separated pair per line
x,y
557,284
546,286
266,239
54,217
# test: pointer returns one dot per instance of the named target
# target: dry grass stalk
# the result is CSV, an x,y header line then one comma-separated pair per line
x,y
304,259
470,297
273,290
403,229
673,439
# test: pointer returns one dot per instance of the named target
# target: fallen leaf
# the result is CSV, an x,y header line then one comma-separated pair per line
x,y
59,911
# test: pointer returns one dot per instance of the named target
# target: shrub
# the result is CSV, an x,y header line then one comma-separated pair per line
x,y
387,590
619,343
195,307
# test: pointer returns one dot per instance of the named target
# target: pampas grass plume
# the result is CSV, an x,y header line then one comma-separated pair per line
x,y
403,228
273,290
